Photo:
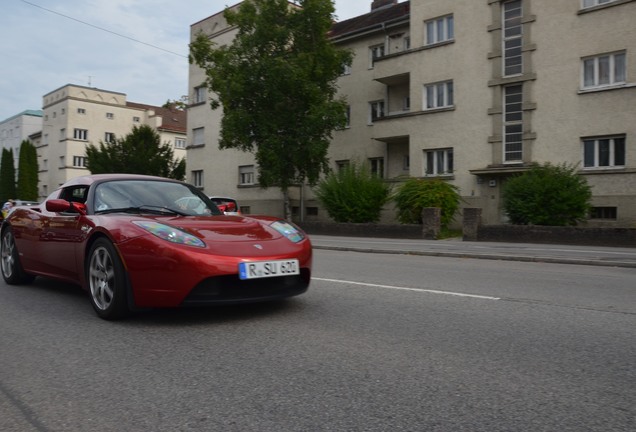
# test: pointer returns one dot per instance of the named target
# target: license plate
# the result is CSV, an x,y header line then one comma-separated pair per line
x,y
265,269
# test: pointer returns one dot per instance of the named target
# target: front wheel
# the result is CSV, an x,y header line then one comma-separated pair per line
x,y
12,271
106,281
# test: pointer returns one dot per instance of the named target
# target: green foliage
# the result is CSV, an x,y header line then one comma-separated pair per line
x,y
27,188
353,194
181,104
416,194
276,83
547,195
139,152
7,176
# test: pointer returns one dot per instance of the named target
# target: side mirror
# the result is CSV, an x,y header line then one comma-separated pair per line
x,y
63,206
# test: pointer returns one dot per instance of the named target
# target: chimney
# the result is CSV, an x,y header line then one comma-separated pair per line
x,y
377,4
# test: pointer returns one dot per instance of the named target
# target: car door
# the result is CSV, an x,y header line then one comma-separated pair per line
x,y
62,236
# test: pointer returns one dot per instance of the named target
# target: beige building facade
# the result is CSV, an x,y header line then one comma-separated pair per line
x,y
469,91
75,116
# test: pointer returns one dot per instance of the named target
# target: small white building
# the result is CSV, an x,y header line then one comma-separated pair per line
x,y
18,128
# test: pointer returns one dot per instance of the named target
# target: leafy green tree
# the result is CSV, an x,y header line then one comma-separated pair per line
x,y
547,195
7,176
27,188
276,84
353,194
181,104
416,194
140,152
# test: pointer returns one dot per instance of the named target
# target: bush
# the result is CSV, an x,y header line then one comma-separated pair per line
x,y
547,195
353,194
416,194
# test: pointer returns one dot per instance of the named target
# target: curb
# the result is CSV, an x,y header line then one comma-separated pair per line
x,y
535,259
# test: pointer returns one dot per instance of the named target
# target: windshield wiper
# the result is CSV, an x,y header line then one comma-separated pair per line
x,y
143,209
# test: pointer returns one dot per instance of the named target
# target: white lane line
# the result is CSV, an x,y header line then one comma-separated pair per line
x,y
451,293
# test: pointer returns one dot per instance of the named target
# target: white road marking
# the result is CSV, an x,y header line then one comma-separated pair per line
x,y
451,293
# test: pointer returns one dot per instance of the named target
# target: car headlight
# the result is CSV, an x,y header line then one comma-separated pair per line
x,y
170,234
292,233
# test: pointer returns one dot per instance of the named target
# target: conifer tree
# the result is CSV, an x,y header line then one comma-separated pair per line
x,y
27,188
7,176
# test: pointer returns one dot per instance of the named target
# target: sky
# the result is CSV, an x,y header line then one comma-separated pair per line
x,y
136,47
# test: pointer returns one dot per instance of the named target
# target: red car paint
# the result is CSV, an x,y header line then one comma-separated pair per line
x,y
158,272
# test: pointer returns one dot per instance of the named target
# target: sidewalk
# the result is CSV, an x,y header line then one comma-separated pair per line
x,y
457,248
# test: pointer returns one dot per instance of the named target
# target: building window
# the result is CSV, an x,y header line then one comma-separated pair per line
x,y
348,116
592,3
512,38
45,164
439,162
81,111
246,175
406,163
63,111
79,161
198,136
197,178
406,103
604,213
439,95
109,137
604,70
311,211
136,119
80,134
513,123
440,30
342,164
375,52
62,162
377,166
199,94
110,116
346,69
376,110
180,143
407,43
62,134
605,152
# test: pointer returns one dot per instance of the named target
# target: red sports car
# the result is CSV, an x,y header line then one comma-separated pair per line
x,y
137,242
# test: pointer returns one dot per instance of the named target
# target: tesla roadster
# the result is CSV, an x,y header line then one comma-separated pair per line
x,y
135,242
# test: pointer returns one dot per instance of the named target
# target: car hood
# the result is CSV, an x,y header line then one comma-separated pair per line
x,y
225,228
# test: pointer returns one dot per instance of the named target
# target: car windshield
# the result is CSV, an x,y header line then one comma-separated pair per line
x,y
151,196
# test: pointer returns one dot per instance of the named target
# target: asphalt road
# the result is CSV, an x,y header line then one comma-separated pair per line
x,y
381,342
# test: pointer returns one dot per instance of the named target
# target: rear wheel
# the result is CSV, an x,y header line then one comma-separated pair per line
x,y
12,271
106,281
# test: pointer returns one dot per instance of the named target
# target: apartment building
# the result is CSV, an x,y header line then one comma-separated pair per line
x,y
18,128
472,92
75,116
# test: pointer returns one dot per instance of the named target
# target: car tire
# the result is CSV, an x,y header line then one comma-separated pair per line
x,y
12,271
106,279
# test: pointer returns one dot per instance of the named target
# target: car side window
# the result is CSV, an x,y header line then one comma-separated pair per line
x,y
75,194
